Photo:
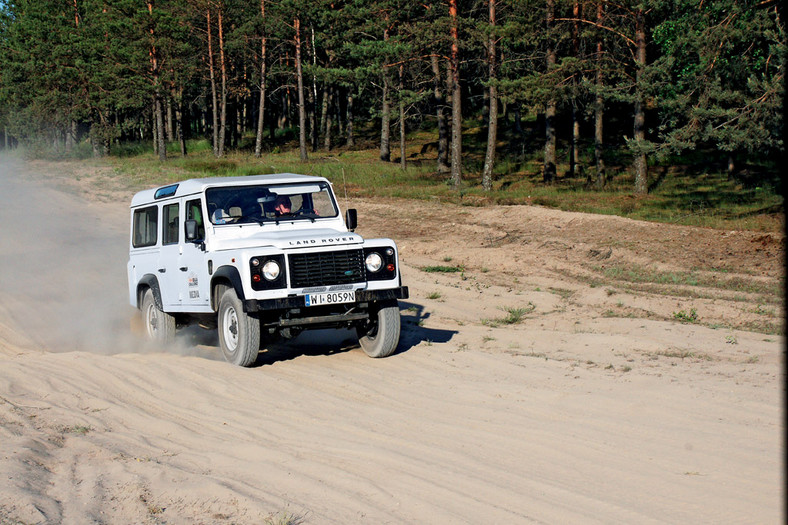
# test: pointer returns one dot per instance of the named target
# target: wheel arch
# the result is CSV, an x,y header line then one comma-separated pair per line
x,y
149,281
227,276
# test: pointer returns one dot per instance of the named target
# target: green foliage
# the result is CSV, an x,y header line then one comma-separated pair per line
x,y
514,315
441,269
684,317
723,64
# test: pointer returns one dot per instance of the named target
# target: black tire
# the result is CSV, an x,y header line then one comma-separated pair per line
x,y
239,332
159,326
381,337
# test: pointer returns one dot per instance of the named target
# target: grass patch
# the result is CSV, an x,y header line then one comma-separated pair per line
x,y
441,269
514,316
434,295
284,518
78,429
563,293
685,354
642,275
685,317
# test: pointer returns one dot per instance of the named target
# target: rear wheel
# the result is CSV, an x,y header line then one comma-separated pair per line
x,y
381,336
158,325
239,332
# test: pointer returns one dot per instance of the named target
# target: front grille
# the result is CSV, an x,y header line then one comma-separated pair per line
x,y
326,268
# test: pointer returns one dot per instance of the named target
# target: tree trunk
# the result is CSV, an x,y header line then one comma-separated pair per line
x,y
154,127
640,166
158,106
599,106
301,108
328,122
313,129
385,114
214,99
456,108
179,116
71,136
223,66
258,144
161,144
170,127
492,125
440,105
385,123
549,170
402,159
236,122
575,168
574,148
338,109
323,112
284,103
94,145
351,139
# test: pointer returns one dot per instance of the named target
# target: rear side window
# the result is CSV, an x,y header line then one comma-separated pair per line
x,y
146,221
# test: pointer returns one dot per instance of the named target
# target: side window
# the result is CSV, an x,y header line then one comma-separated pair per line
x,y
170,233
322,204
145,227
194,211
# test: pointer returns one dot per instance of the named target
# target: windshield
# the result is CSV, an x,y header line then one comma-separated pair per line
x,y
270,203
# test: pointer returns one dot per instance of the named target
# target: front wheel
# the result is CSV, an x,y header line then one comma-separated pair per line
x,y
239,332
158,325
381,336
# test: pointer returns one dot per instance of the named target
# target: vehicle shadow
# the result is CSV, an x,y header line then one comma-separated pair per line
x,y
308,343
205,343
413,333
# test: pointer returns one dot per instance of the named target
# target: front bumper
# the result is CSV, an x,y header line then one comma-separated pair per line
x,y
362,296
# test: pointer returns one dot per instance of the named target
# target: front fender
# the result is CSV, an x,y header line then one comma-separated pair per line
x,y
227,274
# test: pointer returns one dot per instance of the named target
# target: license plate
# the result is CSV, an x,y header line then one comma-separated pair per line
x,y
316,299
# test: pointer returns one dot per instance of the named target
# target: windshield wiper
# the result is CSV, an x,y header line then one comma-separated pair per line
x,y
249,218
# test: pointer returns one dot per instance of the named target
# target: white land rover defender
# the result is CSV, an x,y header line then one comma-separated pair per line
x,y
258,258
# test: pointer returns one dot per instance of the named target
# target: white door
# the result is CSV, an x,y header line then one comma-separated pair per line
x,y
193,265
168,271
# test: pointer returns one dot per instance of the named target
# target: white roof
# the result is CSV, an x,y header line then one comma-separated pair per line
x,y
196,186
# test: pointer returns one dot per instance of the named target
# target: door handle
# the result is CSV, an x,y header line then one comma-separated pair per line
x,y
184,268
162,270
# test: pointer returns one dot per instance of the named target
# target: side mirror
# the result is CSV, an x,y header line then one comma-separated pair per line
x,y
351,219
191,230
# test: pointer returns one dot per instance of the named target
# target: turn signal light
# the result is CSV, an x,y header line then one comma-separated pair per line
x,y
390,267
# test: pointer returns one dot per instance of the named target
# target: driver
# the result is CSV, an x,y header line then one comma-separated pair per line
x,y
283,205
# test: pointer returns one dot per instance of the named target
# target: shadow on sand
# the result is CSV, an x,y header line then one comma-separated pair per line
x,y
205,343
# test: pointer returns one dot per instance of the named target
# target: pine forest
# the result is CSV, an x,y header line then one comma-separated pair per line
x,y
582,85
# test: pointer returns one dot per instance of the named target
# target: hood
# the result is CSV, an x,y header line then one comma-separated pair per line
x,y
288,240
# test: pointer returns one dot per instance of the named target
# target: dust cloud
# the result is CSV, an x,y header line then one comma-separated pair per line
x,y
62,266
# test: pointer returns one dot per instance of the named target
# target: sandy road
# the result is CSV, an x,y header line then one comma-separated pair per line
x,y
567,417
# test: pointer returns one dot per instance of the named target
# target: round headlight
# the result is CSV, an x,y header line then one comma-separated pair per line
x,y
271,270
374,262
